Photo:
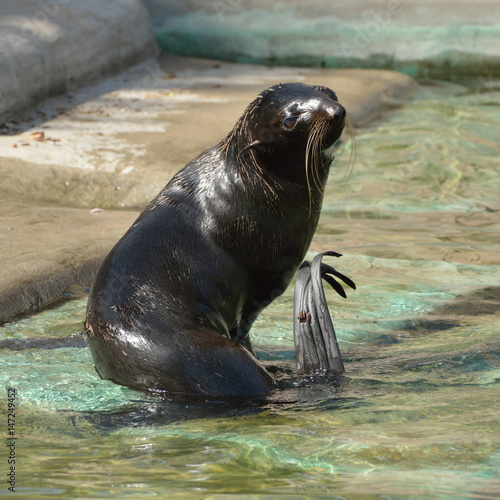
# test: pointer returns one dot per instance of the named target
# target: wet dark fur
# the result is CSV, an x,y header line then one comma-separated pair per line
x,y
174,300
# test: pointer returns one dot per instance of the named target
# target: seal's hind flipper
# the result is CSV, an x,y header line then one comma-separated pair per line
x,y
316,347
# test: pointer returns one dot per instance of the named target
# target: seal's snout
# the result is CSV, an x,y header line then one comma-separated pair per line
x,y
336,112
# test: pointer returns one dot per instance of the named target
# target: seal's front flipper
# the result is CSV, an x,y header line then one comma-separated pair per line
x,y
316,347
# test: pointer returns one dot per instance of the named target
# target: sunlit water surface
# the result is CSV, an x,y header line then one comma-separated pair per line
x,y
418,413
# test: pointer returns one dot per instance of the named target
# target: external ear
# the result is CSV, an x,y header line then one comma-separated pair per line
x,y
255,144
325,90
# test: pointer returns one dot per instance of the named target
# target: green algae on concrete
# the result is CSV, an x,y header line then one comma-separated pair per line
x,y
424,39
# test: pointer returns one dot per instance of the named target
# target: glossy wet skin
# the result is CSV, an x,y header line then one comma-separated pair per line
x,y
174,301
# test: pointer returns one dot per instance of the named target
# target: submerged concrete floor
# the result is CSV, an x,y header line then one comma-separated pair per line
x,y
113,145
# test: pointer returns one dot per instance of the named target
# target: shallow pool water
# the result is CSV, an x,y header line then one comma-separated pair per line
x,y
417,414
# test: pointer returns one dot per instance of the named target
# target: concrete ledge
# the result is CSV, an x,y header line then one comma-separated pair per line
x,y
50,46
45,250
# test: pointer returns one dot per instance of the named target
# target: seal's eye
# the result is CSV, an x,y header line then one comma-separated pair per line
x,y
290,122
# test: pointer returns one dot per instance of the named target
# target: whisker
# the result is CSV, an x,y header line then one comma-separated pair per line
x,y
312,154
352,157
319,158
316,153
308,155
315,161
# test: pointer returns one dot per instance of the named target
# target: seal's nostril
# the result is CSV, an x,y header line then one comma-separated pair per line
x,y
337,112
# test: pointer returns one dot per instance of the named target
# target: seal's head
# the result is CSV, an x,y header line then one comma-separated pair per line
x,y
291,128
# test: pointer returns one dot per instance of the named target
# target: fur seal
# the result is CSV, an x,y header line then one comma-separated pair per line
x,y
173,302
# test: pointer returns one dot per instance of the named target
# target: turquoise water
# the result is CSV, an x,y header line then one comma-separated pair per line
x,y
417,415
